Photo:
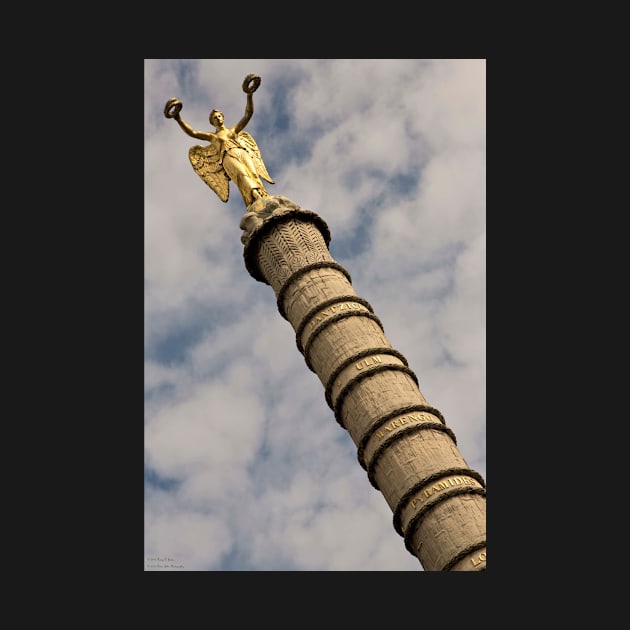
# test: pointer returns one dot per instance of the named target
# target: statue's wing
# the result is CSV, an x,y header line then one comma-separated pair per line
x,y
249,143
207,164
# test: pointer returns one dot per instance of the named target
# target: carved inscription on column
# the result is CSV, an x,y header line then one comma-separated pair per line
x,y
328,311
363,366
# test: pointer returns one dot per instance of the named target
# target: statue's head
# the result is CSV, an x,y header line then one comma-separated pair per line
x,y
216,117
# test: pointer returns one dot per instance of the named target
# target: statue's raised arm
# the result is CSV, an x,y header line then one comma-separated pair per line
x,y
232,153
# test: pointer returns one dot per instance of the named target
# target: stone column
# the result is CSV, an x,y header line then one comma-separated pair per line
x,y
408,452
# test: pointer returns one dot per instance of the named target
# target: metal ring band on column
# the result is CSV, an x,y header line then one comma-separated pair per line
x,y
462,554
386,418
359,377
414,428
468,472
431,503
355,357
300,272
318,307
331,320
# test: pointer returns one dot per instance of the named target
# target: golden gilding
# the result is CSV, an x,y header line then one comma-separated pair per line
x,y
232,153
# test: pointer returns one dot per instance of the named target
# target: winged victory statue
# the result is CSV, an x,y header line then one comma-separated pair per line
x,y
232,153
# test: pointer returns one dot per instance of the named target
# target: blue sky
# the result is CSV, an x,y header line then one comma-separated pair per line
x,y
246,467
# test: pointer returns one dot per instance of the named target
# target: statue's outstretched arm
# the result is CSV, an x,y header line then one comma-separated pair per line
x,y
171,110
250,85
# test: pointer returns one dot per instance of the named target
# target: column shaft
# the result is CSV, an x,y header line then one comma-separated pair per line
x,y
409,453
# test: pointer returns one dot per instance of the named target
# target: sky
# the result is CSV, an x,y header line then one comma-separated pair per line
x,y
245,466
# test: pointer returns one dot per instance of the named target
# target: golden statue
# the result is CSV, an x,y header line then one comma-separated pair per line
x,y
232,153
